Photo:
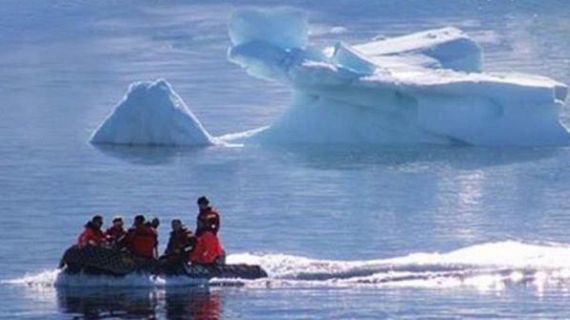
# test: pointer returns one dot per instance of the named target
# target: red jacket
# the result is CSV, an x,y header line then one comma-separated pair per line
x,y
115,236
207,220
208,248
91,236
142,240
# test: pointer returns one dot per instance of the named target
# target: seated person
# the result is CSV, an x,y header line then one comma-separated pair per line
x,y
142,239
116,234
180,243
208,249
153,224
92,235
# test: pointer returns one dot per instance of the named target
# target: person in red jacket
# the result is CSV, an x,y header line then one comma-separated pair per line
x,y
116,234
92,235
208,218
142,239
208,249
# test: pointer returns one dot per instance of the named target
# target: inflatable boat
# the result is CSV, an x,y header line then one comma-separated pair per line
x,y
106,261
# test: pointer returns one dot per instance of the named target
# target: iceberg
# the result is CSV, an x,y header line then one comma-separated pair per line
x,y
426,87
447,48
151,113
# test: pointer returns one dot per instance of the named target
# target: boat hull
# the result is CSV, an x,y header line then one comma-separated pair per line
x,y
105,261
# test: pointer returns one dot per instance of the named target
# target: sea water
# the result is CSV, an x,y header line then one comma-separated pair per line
x,y
345,231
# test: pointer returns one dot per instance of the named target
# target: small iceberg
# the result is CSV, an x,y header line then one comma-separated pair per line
x,y
152,114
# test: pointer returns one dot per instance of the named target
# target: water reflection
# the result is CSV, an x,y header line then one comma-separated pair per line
x,y
354,157
140,303
342,157
193,304
148,155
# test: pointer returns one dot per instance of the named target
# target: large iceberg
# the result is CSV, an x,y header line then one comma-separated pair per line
x,y
421,88
426,87
151,113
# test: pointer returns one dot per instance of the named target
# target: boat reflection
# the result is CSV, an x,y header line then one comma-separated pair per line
x,y
193,304
112,303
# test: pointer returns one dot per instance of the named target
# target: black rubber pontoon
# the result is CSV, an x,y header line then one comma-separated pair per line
x,y
98,261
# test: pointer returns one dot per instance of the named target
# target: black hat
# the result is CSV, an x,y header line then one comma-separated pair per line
x,y
139,219
203,200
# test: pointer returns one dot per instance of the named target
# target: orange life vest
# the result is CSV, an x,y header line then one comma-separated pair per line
x,y
207,220
208,248
115,235
91,236
142,240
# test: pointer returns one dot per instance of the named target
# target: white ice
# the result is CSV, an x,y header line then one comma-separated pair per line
x,y
426,87
420,88
151,113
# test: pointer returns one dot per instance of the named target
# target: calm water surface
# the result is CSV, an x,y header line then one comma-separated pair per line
x,y
64,65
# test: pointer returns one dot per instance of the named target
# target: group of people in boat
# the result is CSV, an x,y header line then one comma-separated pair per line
x,y
201,247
